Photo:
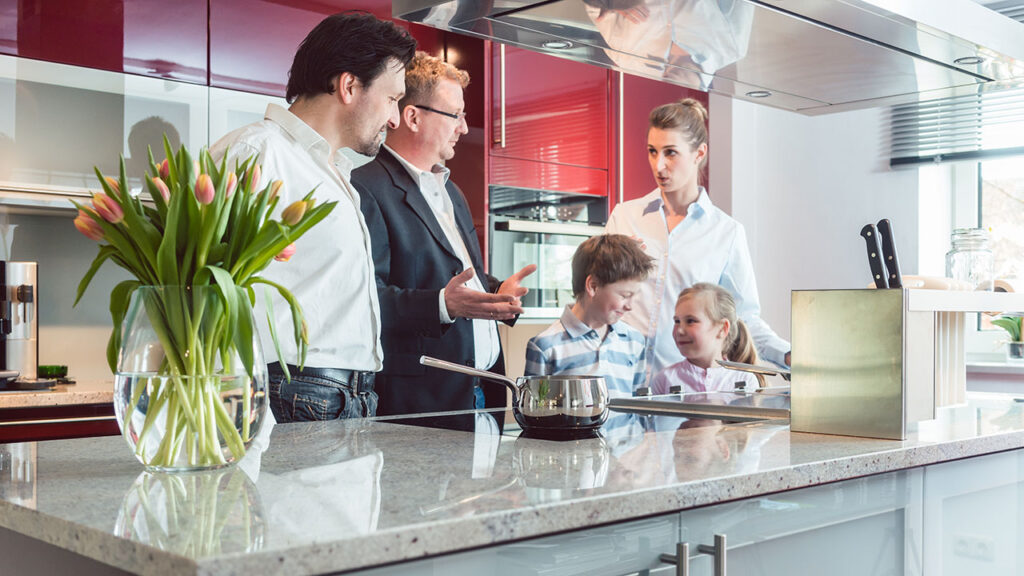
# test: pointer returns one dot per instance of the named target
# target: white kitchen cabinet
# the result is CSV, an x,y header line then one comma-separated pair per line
x,y
616,550
974,516
865,526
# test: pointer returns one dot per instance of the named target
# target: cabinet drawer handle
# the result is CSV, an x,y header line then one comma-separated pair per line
x,y
681,559
717,552
682,556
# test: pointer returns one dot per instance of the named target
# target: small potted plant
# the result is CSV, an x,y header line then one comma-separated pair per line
x,y
1015,345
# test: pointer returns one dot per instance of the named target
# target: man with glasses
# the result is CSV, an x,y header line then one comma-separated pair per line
x,y
435,297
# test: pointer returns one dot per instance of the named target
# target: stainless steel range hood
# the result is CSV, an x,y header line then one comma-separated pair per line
x,y
811,56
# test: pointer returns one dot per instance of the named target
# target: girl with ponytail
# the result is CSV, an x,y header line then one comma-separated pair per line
x,y
706,330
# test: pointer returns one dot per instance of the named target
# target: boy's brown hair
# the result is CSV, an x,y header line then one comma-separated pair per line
x,y
609,258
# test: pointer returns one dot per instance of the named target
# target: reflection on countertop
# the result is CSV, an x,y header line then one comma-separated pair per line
x,y
331,496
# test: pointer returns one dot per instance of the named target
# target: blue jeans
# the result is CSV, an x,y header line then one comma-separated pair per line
x,y
319,394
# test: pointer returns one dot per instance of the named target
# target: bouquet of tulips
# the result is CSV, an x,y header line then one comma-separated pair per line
x,y
207,227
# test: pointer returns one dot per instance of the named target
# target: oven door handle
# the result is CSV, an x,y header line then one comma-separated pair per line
x,y
548,228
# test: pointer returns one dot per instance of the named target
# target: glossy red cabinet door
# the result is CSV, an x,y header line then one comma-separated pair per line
x,y
147,37
555,110
252,42
640,96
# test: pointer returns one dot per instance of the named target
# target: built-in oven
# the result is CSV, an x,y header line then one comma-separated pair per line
x,y
544,228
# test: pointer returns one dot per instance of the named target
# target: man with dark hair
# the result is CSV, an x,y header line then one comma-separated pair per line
x,y
344,86
435,297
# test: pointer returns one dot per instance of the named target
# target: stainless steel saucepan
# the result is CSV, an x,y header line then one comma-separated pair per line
x,y
547,403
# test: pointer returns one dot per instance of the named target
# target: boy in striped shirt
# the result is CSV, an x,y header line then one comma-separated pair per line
x,y
590,338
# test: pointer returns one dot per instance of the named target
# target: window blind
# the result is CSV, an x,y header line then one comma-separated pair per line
x,y
971,127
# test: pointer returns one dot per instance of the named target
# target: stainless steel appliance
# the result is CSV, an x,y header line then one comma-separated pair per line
x,y
19,313
544,228
814,57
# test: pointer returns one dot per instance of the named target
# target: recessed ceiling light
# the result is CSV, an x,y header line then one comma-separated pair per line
x,y
557,44
969,61
759,94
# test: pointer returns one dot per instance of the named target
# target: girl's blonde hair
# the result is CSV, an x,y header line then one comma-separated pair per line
x,y
739,346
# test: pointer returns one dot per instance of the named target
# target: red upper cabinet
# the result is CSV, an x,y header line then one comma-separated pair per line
x,y
252,43
549,109
147,37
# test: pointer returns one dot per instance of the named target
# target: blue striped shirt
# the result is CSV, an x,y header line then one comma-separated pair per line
x,y
571,347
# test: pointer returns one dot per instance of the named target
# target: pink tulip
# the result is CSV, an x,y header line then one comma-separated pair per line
x,y
253,177
232,182
204,189
293,213
286,254
165,170
113,184
164,191
107,208
88,226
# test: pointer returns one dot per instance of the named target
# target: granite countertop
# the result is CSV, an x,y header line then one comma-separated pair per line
x,y
335,496
83,392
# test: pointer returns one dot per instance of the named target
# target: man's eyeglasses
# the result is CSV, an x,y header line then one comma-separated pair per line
x,y
460,116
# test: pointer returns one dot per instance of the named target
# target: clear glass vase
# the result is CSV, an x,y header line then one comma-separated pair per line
x,y
190,392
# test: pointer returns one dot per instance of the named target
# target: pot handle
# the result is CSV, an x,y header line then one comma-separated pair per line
x,y
445,365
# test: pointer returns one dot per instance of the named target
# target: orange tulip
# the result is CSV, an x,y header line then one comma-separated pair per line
x,y
164,191
113,184
275,187
107,208
286,254
88,226
232,182
293,213
204,189
253,177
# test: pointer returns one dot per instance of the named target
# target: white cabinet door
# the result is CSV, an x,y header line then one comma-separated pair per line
x,y
974,516
616,550
866,526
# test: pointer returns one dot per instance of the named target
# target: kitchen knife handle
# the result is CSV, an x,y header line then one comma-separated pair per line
x,y
870,235
892,263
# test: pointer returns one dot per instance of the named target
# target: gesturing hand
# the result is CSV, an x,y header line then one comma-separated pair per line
x,y
512,286
465,302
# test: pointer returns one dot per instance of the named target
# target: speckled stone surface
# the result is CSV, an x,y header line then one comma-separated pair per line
x,y
338,496
84,392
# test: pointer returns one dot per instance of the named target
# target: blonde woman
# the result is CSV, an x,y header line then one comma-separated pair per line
x,y
689,238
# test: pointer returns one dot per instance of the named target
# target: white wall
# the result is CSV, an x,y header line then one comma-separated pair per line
x,y
803,187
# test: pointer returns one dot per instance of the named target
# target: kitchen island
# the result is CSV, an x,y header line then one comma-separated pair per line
x,y
355,495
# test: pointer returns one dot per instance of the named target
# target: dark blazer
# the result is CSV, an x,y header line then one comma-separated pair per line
x,y
414,261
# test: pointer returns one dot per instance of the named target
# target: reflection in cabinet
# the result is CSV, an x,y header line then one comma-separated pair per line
x,y
628,548
975,516
865,526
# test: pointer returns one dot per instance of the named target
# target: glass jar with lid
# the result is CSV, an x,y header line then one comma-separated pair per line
x,y
969,260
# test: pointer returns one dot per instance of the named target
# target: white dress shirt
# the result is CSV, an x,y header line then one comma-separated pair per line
x,y
707,246
331,273
486,345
